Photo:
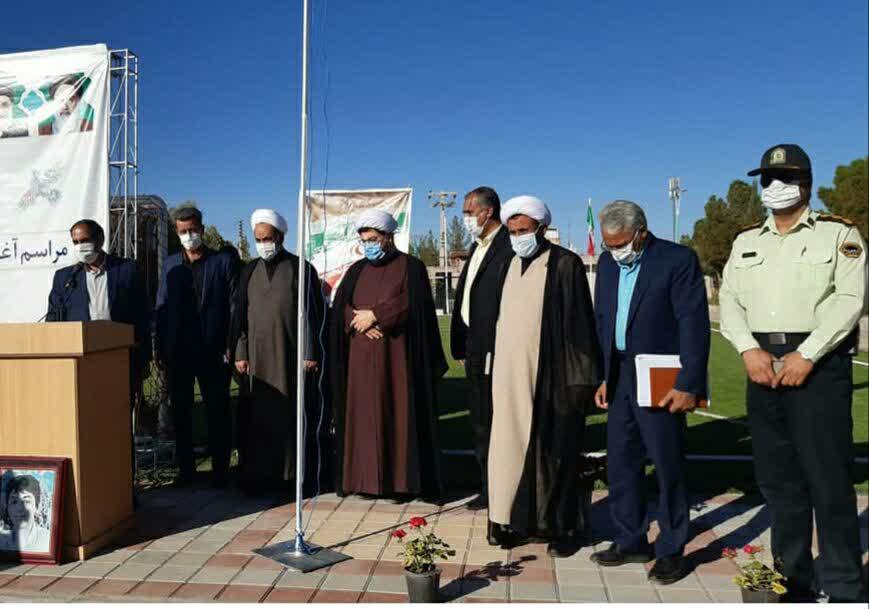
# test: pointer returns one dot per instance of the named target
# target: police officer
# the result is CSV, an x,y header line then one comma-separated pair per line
x,y
793,291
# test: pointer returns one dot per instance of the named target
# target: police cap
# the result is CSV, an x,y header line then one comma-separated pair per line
x,y
784,157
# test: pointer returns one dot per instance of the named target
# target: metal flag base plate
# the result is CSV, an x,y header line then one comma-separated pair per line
x,y
315,558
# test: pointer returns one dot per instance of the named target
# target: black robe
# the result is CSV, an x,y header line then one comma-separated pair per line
x,y
547,502
426,364
317,471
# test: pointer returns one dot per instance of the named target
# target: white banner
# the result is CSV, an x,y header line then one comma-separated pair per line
x,y
54,167
333,244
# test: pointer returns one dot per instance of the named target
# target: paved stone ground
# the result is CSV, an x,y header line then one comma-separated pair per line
x,y
196,545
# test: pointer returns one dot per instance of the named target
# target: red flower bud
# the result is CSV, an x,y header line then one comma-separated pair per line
x,y
399,533
418,521
728,553
751,550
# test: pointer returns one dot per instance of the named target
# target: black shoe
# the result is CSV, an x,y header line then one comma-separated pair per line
x,y
563,547
798,594
479,502
668,570
615,556
494,533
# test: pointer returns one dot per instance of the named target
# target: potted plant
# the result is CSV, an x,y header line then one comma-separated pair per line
x,y
759,582
420,572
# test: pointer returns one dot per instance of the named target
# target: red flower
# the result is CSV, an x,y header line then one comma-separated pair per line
x,y
728,553
751,550
418,521
399,533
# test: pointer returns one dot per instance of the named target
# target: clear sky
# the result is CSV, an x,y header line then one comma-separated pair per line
x,y
563,100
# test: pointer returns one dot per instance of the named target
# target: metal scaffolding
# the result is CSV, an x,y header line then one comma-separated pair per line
x,y
124,153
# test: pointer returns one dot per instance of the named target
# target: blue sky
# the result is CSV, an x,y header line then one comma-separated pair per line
x,y
564,100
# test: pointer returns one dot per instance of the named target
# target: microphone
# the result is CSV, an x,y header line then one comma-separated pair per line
x,y
72,282
68,285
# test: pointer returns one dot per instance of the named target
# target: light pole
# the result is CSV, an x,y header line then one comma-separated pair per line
x,y
675,193
444,200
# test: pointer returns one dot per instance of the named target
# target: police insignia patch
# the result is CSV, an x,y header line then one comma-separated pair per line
x,y
777,156
851,249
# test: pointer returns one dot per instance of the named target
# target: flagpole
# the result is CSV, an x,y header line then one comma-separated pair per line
x,y
301,329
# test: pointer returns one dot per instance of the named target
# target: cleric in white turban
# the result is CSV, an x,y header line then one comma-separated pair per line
x,y
264,341
543,380
386,358
270,217
377,219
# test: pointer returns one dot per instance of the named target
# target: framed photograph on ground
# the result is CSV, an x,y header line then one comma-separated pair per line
x,y
31,508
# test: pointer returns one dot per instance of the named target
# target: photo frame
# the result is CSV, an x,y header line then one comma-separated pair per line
x,y
32,491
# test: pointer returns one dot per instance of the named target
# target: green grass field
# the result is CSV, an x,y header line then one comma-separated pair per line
x,y
706,436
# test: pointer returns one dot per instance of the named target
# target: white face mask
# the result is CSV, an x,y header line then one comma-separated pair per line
x,y
780,195
191,241
266,249
86,253
473,227
625,255
525,245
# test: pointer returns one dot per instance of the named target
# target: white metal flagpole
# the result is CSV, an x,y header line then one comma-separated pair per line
x,y
301,325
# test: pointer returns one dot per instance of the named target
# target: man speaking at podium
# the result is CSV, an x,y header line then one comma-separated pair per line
x,y
103,286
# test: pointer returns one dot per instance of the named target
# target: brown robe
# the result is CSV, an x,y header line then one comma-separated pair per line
x,y
376,439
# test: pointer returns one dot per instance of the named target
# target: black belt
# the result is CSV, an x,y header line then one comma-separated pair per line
x,y
780,339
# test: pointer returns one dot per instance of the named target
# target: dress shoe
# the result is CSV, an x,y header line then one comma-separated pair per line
x,y
668,570
563,547
615,556
799,594
493,534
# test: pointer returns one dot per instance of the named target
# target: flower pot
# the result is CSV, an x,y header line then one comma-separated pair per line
x,y
759,596
423,587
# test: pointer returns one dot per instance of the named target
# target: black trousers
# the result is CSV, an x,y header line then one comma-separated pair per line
x,y
214,378
633,435
480,402
803,454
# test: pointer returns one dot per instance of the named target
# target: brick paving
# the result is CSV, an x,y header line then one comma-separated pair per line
x,y
195,545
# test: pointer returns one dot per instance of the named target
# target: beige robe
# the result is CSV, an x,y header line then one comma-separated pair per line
x,y
517,349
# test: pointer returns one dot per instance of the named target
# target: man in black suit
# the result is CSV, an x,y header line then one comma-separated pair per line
x,y
476,312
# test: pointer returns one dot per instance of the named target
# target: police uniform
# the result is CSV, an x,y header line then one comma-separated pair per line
x,y
802,291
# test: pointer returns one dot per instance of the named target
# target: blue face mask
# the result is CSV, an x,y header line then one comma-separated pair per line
x,y
526,245
373,251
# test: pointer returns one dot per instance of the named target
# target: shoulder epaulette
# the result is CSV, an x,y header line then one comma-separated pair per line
x,y
749,227
835,218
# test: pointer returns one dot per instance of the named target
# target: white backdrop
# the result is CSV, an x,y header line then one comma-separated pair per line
x,y
54,129
333,244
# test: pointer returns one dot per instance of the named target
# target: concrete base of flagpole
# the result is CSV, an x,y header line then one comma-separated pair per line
x,y
312,558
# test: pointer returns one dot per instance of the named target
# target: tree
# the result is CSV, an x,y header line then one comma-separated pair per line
x,y
243,245
714,233
849,196
457,237
425,247
212,237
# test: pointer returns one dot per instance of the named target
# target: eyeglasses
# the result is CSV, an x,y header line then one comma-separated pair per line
x,y
787,177
608,248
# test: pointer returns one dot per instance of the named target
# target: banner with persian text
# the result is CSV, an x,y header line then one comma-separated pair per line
x,y
332,242
54,167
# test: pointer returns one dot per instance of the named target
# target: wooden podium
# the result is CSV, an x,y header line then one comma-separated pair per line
x,y
65,392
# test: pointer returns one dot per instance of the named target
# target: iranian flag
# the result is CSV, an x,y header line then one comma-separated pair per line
x,y
589,219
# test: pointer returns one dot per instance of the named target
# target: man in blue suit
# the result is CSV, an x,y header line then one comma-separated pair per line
x,y
193,323
650,298
103,286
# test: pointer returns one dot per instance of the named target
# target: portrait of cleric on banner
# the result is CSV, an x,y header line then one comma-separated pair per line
x,y
31,498
50,106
